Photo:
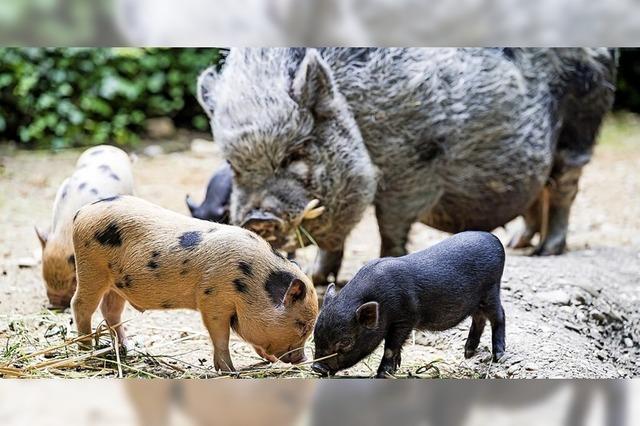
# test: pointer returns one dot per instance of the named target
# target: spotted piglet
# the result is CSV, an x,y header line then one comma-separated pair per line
x,y
101,171
157,259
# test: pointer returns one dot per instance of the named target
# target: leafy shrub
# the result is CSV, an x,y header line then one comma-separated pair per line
x,y
628,86
60,98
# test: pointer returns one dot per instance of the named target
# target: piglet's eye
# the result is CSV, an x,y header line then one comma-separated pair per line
x,y
302,326
345,343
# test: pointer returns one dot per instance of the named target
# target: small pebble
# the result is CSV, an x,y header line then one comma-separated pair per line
x,y
500,375
511,370
27,262
153,151
597,315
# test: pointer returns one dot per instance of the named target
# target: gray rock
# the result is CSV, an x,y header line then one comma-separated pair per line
x,y
556,297
26,262
597,315
160,128
513,369
153,151
500,375
204,148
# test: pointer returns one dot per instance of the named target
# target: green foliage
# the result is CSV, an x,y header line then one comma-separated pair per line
x,y
628,86
61,98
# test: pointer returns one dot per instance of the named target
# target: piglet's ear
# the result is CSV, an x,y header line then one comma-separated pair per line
x,y
329,295
295,293
313,86
43,236
367,315
206,85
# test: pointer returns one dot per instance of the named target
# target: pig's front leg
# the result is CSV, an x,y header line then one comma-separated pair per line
x,y
394,230
219,328
391,358
327,263
396,212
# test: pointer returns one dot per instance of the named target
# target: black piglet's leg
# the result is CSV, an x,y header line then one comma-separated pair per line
x,y
497,331
395,338
475,333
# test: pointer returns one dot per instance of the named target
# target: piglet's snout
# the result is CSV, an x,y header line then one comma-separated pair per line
x,y
321,369
295,357
265,224
59,300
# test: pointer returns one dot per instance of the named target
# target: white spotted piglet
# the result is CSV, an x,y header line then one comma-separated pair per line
x,y
157,259
102,171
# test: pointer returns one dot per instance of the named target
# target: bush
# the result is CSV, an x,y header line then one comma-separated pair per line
x,y
628,86
61,98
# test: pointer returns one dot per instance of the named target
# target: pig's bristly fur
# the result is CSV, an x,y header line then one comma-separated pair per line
x,y
456,138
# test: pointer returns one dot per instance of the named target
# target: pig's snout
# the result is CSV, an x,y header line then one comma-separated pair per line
x,y
321,369
59,300
265,224
295,357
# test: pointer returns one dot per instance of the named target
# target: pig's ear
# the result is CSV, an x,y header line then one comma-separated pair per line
x,y
329,295
206,85
367,315
191,204
295,293
313,86
43,236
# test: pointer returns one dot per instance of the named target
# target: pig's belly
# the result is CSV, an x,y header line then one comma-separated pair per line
x,y
482,206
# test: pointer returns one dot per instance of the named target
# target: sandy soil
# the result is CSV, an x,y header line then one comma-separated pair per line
x,y
574,316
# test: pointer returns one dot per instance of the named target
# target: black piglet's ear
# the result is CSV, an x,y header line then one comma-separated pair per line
x,y
329,295
368,314
296,292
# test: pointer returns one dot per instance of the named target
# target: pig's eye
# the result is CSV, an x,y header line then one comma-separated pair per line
x,y
296,155
345,344
302,326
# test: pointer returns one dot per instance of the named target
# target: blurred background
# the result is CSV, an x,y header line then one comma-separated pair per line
x,y
326,22
319,403
57,98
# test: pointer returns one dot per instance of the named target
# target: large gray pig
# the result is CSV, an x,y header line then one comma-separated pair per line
x,y
458,139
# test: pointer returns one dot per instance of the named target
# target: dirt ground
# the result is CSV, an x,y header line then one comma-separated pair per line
x,y
571,316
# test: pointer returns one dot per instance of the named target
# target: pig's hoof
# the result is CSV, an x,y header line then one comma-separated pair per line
x,y
550,248
85,346
468,353
519,241
385,374
125,347
223,366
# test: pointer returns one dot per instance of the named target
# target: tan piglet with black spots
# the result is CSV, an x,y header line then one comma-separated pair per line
x,y
157,259
101,171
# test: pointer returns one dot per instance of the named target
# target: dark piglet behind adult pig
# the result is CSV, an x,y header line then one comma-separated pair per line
x,y
434,289
215,206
